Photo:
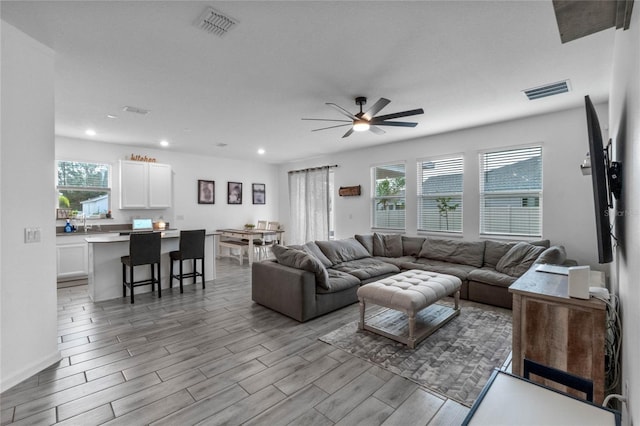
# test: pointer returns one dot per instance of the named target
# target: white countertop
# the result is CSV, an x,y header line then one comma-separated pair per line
x,y
114,238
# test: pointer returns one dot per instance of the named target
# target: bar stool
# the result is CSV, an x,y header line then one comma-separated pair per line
x,y
144,249
191,247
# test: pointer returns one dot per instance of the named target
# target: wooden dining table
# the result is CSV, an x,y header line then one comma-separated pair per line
x,y
243,239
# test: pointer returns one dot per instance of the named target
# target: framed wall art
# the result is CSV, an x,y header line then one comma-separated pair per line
x,y
258,190
234,193
206,192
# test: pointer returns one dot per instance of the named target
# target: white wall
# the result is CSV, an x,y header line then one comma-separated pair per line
x,y
624,105
28,305
568,216
187,169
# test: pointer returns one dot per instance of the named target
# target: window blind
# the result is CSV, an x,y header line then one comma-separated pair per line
x,y
388,201
511,192
440,184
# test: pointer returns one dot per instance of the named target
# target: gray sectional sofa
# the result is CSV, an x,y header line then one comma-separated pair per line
x,y
306,281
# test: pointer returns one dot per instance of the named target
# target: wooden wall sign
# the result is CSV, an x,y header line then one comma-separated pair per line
x,y
349,191
144,158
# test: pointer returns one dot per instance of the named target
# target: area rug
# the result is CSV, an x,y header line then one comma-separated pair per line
x,y
455,361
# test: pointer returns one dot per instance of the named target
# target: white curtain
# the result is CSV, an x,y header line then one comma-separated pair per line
x,y
309,205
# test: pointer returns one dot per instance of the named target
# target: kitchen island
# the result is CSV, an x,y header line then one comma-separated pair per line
x,y
105,268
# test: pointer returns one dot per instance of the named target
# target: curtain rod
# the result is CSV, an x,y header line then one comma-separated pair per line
x,y
313,168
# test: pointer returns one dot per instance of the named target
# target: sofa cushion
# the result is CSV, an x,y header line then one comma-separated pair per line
x,y
555,255
411,246
398,261
313,249
388,245
440,266
299,259
338,281
345,250
363,269
494,251
462,252
366,241
518,259
490,276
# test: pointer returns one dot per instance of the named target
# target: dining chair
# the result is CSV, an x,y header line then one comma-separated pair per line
x,y
191,248
144,249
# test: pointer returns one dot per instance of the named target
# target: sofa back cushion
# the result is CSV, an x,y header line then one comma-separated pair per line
x,y
366,241
345,250
495,250
462,252
313,249
299,259
411,246
554,255
518,259
387,245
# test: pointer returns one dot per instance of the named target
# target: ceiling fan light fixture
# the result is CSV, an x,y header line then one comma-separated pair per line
x,y
361,125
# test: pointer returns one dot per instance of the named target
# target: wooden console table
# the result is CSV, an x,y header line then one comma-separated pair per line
x,y
559,331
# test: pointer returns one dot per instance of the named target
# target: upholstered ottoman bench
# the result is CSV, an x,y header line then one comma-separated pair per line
x,y
410,292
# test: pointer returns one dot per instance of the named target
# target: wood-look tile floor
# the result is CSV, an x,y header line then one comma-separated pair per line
x,y
211,357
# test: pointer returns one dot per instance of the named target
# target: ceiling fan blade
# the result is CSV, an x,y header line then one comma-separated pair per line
x,y
395,123
398,114
348,133
376,130
375,108
326,119
342,110
331,127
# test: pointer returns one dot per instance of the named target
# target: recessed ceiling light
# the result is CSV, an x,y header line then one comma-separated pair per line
x,y
261,151
90,132
164,143
111,116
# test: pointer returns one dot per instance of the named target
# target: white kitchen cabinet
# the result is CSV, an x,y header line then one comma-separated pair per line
x,y
145,185
159,186
72,258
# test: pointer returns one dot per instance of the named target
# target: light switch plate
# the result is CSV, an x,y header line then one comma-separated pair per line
x,y
32,235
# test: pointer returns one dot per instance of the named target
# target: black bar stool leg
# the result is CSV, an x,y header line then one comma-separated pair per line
x,y
202,268
181,289
131,274
159,283
124,280
171,273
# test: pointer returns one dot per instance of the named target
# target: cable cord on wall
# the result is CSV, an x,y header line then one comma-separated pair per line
x,y
613,343
611,396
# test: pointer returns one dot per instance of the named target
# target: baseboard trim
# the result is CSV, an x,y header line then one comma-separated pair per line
x,y
11,380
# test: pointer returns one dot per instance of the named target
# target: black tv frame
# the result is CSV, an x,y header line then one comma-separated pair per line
x,y
605,179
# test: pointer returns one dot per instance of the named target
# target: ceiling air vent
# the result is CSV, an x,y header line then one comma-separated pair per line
x,y
547,90
136,110
215,22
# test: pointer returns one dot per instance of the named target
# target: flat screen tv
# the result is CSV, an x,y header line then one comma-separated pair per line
x,y
599,180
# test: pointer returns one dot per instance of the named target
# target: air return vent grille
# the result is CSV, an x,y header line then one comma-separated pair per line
x,y
215,22
135,110
547,90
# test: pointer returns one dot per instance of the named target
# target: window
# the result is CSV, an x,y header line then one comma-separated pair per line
x,y
511,192
84,187
440,195
389,196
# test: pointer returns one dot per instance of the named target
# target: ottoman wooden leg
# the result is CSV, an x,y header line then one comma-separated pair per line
x,y
456,298
362,306
411,342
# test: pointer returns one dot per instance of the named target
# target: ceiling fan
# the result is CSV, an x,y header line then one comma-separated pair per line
x,y
363,121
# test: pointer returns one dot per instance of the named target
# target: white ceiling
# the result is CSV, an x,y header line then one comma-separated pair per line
x,y
464,63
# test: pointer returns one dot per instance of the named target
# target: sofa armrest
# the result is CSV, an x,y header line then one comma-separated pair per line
x,y
287,290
